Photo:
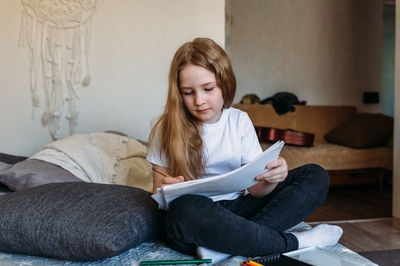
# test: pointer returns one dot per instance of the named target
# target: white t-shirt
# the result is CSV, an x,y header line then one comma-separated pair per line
x,y
227,145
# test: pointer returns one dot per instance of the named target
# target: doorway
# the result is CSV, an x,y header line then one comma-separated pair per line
x,y
328,55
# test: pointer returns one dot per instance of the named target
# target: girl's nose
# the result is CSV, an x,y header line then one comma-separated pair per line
x,y
199,99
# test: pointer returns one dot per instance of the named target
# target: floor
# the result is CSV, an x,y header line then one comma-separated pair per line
x,y
371,235
364,213
355,202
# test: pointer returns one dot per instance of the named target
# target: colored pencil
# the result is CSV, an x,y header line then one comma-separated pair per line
x,y
253,263
160,172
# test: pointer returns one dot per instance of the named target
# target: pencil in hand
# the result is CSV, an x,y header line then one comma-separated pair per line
x,y
160,172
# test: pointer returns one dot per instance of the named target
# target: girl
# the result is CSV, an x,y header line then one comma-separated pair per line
x,y
199,135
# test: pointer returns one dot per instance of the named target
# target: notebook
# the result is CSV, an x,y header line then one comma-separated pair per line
x,y
233,181
279,259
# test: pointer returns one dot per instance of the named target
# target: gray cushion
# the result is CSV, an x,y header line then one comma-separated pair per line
x,y
77,221
31,173
11,159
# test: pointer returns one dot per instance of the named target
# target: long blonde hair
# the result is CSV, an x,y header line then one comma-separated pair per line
x,y
178,131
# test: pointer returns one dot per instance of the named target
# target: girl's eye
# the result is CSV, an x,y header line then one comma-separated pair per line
x,y
187,92
209,89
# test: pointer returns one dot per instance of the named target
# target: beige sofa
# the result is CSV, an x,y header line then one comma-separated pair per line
x,y
345,165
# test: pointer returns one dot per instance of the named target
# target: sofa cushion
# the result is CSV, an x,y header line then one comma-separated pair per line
x,y
32,173
11,159
337,157
77,221
119,160
362,131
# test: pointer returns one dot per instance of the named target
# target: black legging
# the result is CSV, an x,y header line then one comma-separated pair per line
x,y
247,226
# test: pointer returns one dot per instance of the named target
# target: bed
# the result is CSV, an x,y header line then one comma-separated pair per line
x,y
114,221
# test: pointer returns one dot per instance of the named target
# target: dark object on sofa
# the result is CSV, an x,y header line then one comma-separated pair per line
x,y
77,221
362,131
283,102
11,159
250,99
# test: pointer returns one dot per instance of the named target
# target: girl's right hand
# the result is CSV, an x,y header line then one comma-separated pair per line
x,y
160,180
167,180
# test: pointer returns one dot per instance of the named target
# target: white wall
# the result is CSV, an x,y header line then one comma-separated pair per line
x,y
326,52
132,46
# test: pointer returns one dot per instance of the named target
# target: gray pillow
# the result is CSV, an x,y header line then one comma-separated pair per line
x,y
77,221
31,173
11,159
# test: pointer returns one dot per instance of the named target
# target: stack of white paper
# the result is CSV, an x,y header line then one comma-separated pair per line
x,y
230,182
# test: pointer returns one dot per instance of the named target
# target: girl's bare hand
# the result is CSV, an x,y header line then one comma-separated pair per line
x,y
278,171
167,180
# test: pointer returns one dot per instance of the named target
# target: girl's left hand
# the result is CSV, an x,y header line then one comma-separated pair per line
x,y
278,171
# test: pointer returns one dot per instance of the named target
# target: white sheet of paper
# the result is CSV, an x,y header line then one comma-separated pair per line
x,y
329,256
233,181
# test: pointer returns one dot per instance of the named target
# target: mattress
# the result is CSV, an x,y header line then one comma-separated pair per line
x,y
156,250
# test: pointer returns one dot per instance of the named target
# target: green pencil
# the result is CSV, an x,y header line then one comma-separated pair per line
x,y
165,262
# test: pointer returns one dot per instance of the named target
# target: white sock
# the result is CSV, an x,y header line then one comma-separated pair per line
x,y
205,253
322,235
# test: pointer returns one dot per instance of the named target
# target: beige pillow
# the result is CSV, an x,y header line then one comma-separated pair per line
x,y
134,171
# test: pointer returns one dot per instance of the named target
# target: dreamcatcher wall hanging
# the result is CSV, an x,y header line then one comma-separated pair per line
x,y
57,34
